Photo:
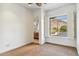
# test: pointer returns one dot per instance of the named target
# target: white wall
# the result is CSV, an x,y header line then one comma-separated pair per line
x,y
41,27
16,26
65,10
77,28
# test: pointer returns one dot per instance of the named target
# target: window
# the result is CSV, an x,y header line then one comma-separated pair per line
x,y
58,26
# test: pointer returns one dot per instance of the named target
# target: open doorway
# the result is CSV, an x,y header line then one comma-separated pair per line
x,y
36,30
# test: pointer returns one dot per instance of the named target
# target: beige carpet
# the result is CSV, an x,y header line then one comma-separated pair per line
x,y
42,50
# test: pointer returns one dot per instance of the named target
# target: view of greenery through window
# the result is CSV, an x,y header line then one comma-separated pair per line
x,y
58,26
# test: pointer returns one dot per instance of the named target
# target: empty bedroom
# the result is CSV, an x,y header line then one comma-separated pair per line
x,y
39,29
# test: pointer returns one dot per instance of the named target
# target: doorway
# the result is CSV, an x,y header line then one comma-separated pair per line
x,y
36,30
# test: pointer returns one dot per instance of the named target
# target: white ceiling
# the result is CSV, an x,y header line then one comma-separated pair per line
x,y
47,6
51,6
32,7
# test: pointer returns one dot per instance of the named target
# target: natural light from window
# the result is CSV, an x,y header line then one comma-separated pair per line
x,y
58,26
